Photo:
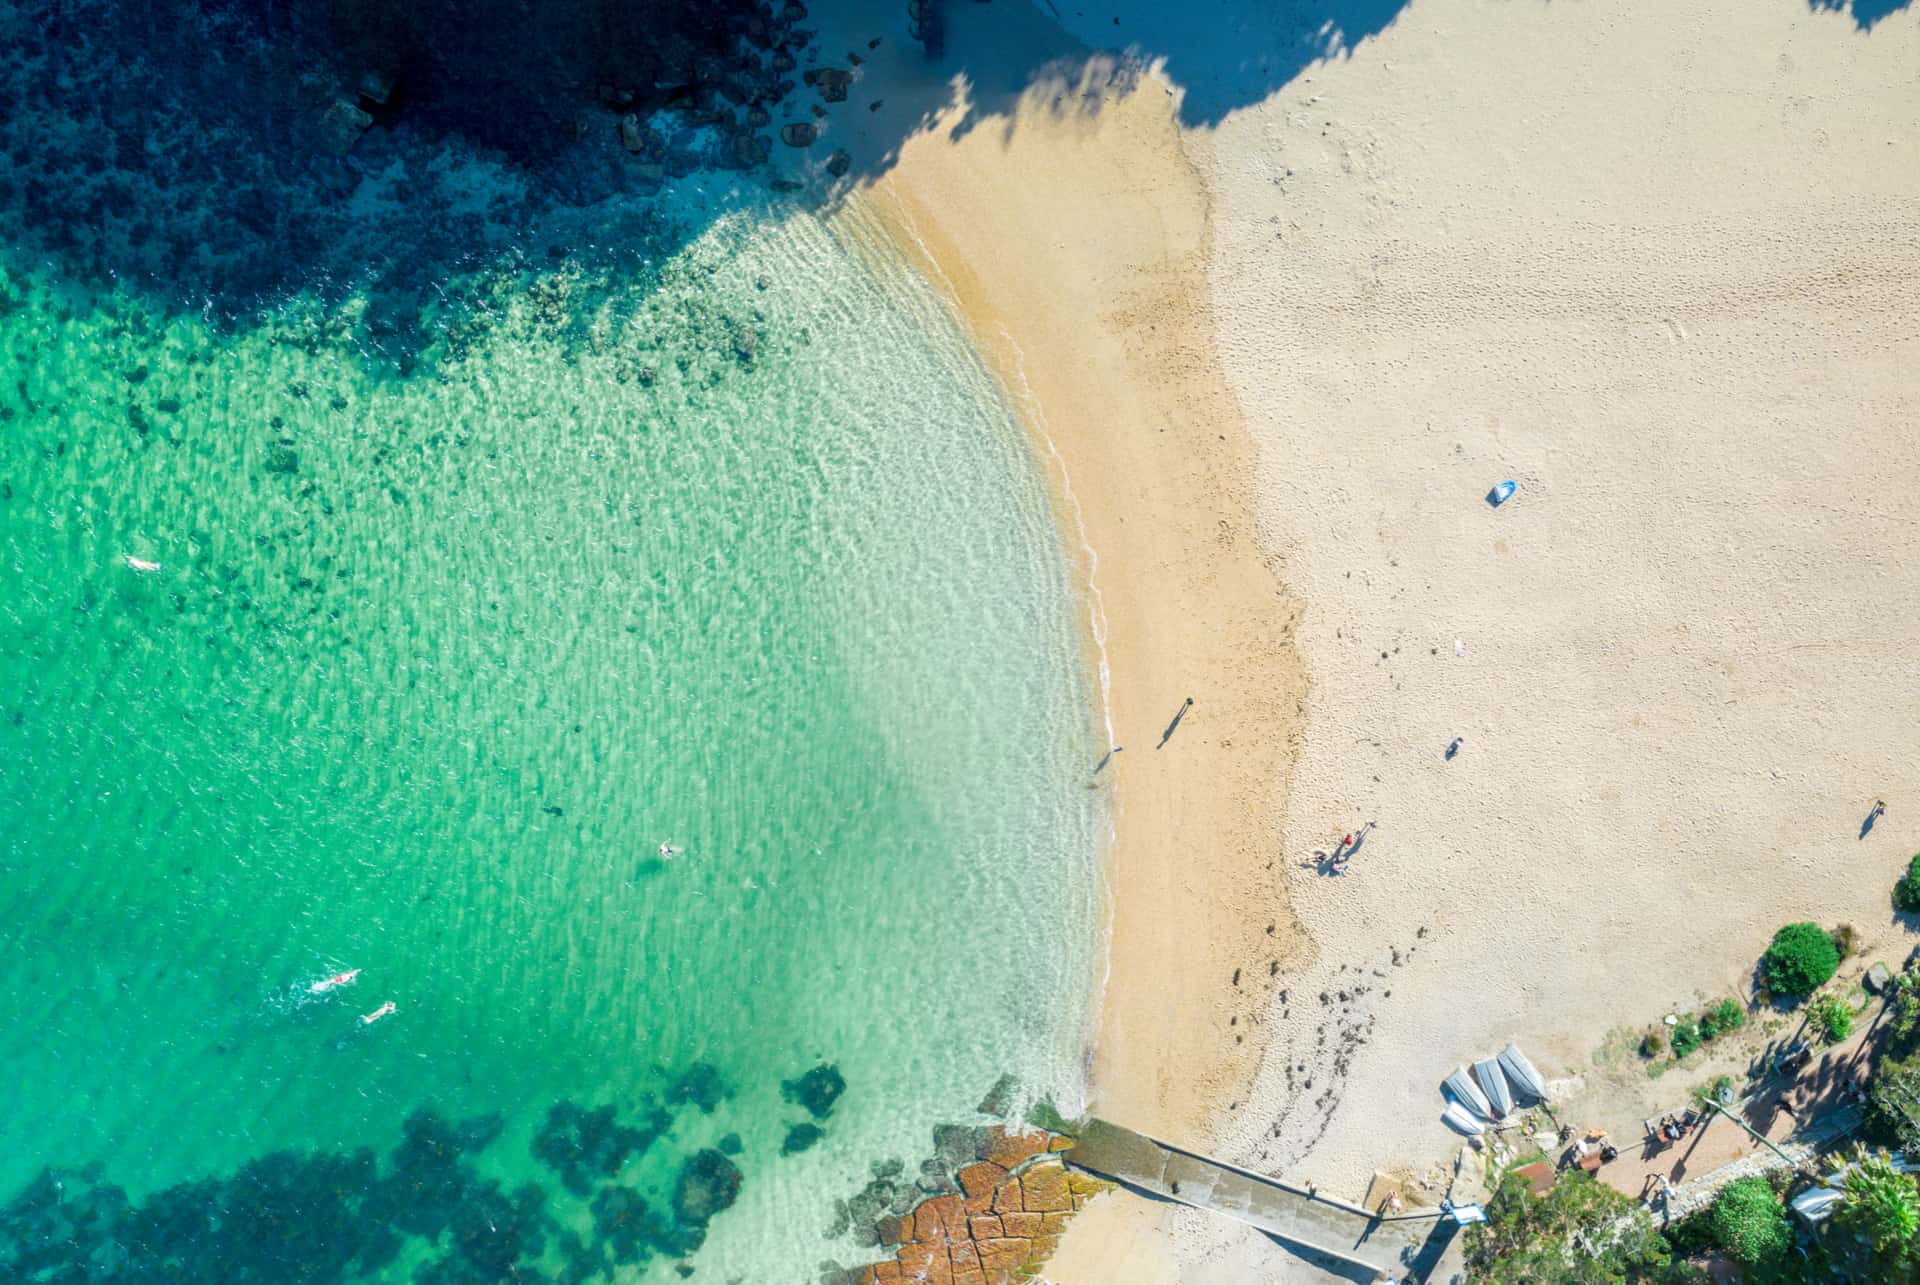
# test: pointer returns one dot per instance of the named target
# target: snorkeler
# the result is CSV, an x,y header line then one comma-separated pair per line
x,y
328,983
141,564
668,852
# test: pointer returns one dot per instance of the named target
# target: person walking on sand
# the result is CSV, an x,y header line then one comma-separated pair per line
x,y
1879,809
1453,748
1174,725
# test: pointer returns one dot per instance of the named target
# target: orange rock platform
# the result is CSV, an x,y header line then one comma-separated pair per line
x,y
1013,1205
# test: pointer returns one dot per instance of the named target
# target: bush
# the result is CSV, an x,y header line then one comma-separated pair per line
x,y
1893,1094
1834,1018
1882,1208
1727,1016
1906,1007
1581,1230
1843,939
1686,1036
1749,1223
1906,893
1652,1044
1800,959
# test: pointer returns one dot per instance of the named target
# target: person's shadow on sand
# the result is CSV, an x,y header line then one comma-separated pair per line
x,y
1867,825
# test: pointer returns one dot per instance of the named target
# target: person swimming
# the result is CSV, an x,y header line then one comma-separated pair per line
x,y
668,852
328,983
141,564
368,1019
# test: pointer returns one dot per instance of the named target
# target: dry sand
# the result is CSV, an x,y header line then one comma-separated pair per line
x,y
1663,268
1660,264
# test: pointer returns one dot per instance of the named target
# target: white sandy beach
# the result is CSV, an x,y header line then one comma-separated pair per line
x,y
1658,264
1664,271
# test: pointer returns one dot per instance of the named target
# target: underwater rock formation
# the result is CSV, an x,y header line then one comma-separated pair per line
x,y
709,1183
326,1217
816,1091
581,1145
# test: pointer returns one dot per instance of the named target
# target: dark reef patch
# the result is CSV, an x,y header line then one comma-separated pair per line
x,y
580,1145
709,1183
816,1091
331,1217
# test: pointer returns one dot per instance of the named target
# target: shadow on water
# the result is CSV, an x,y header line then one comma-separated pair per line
x,y
324,1216
1865,13
180,152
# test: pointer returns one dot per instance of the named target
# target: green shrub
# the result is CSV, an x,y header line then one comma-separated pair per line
x,y
1833,1017
1727,1016
1749,1223
1906,1007
1581,1230
1843,938
1906,893
1893,1092
1692,1234
1686,1036
1882,1210
1652,1044
1800,959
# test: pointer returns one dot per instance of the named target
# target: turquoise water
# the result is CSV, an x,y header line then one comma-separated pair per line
x,y
743,554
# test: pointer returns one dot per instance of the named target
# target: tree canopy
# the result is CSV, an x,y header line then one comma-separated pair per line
x,y
1801,958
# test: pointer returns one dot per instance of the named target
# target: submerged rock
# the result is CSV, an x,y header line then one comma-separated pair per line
x,y
341,126
800,1137
709,1183
798,133
816,1091
581,1145
701,1085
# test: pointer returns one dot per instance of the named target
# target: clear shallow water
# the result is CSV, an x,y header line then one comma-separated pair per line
x,y
747,557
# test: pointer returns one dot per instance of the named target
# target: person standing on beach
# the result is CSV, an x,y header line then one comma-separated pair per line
x,y
1168,734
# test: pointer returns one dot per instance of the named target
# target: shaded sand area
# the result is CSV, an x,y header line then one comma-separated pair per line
x,y
1659,267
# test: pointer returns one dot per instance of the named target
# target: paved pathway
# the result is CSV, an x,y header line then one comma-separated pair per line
x,y
1417,1245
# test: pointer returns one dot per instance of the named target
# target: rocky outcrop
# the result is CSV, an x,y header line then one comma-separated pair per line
x,y
1014,1200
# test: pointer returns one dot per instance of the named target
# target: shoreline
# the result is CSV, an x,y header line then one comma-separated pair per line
x,y
1102,344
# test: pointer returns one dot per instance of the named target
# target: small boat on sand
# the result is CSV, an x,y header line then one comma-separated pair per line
x,y
1467,1094
1461,1120
1487,1071
368,1019
1526,1080
326,984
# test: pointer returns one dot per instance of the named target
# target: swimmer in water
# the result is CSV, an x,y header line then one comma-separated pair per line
x,y
668,852
368,1019
142,565
338,979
